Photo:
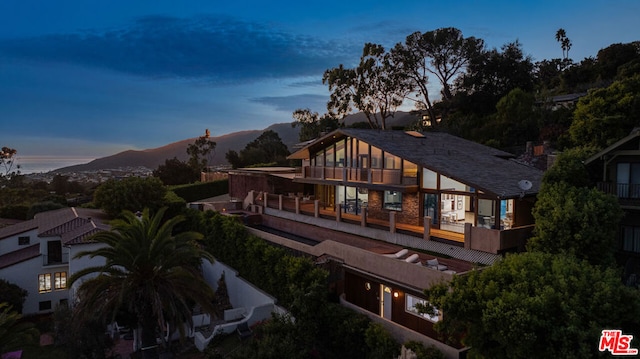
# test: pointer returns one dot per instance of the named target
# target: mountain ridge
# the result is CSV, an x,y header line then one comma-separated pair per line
x,y
236,141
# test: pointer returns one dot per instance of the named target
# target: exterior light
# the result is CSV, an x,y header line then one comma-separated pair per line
x,y
395,294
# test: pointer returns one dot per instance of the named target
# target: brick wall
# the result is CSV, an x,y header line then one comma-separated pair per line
x,y
410,213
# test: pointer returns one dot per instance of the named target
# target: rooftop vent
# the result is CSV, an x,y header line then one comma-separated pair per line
x,y
415,134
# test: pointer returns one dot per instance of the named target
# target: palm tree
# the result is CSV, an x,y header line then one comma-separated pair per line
x,y
148,272
14,334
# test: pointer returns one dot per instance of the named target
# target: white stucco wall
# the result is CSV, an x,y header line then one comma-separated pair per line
x,y
10,244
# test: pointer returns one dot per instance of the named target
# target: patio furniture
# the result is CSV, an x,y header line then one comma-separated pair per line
x,y
398,254
434,264
412,258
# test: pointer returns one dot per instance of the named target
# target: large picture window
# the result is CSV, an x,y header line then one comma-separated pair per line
x,y
44,283
412,301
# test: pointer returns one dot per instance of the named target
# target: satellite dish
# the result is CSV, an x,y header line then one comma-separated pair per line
x,y
525,185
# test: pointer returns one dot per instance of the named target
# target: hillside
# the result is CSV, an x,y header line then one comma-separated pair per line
x,y
152,158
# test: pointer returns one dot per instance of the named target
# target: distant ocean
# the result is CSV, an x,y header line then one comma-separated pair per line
x,y
42,164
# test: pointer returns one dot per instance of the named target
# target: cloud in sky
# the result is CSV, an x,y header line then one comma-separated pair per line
x,y
221,50
146,73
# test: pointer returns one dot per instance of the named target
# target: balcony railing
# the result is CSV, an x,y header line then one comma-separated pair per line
x,y
50,260
624,191
365,175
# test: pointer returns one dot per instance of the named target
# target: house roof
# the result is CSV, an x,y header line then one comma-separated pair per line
x,y
20,255
62,222
484,168
626,143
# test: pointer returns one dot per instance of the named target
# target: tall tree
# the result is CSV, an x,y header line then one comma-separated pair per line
x,y
535,304
174,172
490,76
375,87
576,221
565,43
200,152
312,125
608,114
7,160
149,272
443,53
267,149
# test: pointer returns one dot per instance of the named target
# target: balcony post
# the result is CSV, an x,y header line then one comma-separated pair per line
x,y
363,218
297,199
369,175
392,222
427,228
266,196
338,210
316,208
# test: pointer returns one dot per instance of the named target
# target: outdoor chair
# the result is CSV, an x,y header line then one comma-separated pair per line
x,y
398,254
434,264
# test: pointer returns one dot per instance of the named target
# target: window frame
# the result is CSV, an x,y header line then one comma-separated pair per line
x,y
413,300
44,283
394,207
60,280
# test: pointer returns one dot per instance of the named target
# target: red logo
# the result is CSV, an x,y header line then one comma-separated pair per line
x,y
617,343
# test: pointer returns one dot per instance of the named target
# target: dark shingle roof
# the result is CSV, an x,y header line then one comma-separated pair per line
x,y
20,255
484,168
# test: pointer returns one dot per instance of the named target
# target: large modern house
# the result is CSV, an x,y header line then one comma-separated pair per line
x,y
35,254
616,170
390,213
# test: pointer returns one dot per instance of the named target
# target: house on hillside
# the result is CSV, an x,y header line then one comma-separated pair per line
x,y
461,191
390,213
616,170
37,254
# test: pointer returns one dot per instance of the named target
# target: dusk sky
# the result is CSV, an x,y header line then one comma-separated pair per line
x,y
93,78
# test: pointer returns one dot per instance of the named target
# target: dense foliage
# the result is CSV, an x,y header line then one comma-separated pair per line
x,y
545,305
131,193
14,333
13,295
148,271
198,191
321,329
266,150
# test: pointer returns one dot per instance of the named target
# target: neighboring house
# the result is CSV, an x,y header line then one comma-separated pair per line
x,y
37,254
390,213
617,171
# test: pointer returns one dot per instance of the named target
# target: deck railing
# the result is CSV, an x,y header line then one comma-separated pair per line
x,y
365,175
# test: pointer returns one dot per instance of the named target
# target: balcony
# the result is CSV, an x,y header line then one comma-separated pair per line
x,y
627,194
55,259
360,175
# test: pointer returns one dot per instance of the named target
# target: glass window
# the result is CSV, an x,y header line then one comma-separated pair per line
x,y
391,162
329,156
412,301
320,159
631,239
431,206
363,155
486,215
409,169
376,157
429,179
451,184
60,280
44,283
340,157
23,240
46,305
392,200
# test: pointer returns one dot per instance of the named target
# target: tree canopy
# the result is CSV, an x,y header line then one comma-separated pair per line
x,y
149,271
375,87
14,333
131,193
267,149
13,295
313,125
553,306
